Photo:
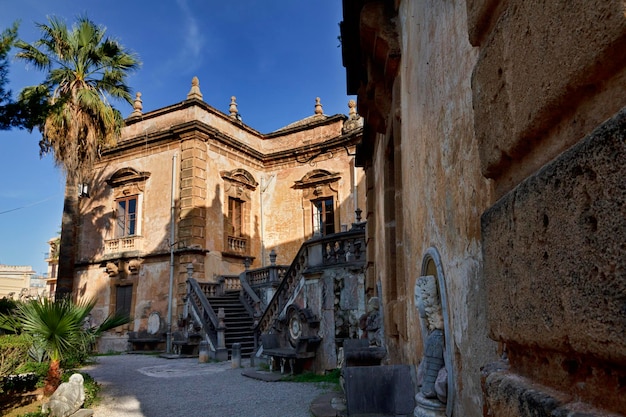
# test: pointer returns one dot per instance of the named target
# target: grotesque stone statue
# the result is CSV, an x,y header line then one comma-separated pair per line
x,y
370,323
67,399
429,305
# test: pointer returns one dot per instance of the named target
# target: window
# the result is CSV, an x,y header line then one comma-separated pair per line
x,y
126,221
319,189
123,299
323,216
235,216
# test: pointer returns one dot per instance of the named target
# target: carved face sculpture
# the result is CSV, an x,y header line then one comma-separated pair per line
x,y
427,302
372,304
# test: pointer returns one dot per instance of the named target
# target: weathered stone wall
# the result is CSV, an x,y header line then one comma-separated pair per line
x,y
555,267
443,191
463,121
548,74
427,191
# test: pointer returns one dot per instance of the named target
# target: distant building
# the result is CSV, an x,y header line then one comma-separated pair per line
x,y
15,281
53,266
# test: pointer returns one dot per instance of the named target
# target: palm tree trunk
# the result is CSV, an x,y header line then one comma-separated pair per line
x,y
53,379
67,246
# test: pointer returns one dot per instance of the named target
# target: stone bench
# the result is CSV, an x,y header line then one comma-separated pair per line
x,y
304,349
186,346
144,342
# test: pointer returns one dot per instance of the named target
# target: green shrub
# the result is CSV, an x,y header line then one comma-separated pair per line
x,y
329,379
13,353
38,368
77,357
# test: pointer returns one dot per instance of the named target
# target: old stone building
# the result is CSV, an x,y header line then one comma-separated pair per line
x,y
189,184
15,282
494,151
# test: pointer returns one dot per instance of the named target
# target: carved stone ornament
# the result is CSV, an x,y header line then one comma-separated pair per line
x,y
67,399
112,269
133,266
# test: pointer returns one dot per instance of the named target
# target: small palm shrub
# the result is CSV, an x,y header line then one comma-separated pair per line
x,y
57,329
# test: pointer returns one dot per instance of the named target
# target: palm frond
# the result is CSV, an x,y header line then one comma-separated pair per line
x,y
85,69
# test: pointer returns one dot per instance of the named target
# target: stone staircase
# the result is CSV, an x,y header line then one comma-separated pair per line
x,y
239,324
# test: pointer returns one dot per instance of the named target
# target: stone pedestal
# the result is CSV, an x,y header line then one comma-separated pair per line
x,y
428,408
203,352
358,352
221,354
236,356
378,390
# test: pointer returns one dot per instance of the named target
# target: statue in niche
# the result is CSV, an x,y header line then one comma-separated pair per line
x,y
431,373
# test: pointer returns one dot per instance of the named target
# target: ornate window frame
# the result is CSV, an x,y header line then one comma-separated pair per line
x,y
316,185
239,185
126,184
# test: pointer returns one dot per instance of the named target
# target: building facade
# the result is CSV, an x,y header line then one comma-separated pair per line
x,y
188,184
15,282
494,154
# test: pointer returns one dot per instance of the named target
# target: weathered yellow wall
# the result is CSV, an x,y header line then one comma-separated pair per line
x,y
433,193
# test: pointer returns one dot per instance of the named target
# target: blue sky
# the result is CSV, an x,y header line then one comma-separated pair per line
x,y
275,56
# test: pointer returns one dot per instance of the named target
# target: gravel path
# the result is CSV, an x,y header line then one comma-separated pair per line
x,y
150,386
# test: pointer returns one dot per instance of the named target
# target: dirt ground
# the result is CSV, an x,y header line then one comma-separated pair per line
x,y
17,404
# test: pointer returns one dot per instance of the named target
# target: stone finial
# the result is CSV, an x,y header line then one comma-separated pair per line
x,y
195,89
352,112
318,106
137,106
354,120
273,257
233,107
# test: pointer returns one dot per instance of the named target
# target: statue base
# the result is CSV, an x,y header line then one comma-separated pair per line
x,y
427,407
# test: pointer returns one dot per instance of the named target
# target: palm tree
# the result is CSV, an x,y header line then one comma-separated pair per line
x,y
84,70
57,327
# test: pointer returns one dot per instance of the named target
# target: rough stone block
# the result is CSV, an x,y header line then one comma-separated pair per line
x,y
511,395
479,15
555,267
539,63
555,259
379,390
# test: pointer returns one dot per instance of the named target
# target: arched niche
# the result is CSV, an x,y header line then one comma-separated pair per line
x,y
433,267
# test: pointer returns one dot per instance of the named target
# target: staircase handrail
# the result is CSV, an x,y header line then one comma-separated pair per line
x,y
249,298
271,274
333,253
208,318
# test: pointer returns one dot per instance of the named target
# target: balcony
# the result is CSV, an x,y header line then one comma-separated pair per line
x,y
123,244
237,245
